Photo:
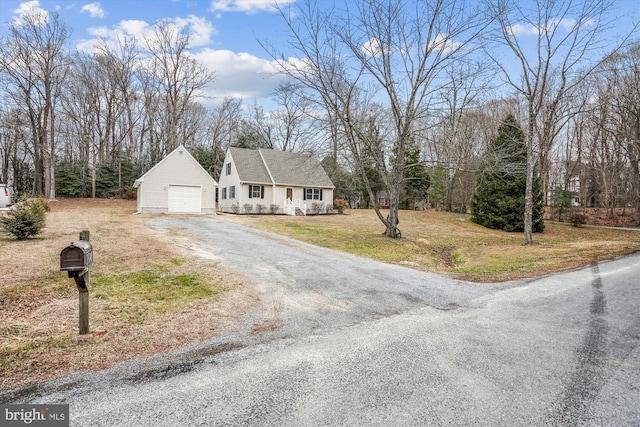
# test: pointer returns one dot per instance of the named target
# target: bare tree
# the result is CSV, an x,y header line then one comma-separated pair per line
x,y
626,115
454,136
14,143
295,127
120,64
291,125
178,79
81,107
35,66
257,128
379,48
566,35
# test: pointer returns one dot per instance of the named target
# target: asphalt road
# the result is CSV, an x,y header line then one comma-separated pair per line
x,y
356,342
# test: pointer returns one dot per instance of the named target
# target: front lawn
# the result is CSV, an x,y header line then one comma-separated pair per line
x,y
451,244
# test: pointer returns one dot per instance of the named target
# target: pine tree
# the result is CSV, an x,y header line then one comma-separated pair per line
x,y
416,178
26,220
498,202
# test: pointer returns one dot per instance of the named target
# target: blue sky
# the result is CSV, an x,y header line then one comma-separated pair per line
x,y
225,38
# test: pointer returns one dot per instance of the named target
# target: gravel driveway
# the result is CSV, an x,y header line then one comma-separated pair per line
x,y
305,287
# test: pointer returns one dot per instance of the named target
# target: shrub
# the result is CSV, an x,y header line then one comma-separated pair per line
x,y
577,219
274,208
25,220
340,205
329,208
317,207
235,208
561,202
260,208
248,207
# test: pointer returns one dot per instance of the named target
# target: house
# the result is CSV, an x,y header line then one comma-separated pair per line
x,y
177,184
273,181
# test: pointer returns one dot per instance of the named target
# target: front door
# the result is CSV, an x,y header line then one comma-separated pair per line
x,y
290,194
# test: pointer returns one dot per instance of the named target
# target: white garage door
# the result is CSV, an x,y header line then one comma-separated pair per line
x,y
185,199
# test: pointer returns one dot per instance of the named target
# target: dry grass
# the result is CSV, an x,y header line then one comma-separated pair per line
x,y
39,304
450,244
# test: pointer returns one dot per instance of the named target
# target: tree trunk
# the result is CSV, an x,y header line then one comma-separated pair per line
x,y
528,195
392,219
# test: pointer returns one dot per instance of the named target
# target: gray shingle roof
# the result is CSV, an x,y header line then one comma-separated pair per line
x,y
250,166
286,168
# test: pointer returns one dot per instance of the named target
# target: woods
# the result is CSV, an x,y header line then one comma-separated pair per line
x,y
399,100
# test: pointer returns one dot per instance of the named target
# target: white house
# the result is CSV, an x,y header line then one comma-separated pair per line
x,y
177,184
273,181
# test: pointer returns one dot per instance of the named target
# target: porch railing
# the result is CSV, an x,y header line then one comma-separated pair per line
x,y
290,207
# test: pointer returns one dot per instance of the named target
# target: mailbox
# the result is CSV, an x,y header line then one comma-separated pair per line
x,y
76,258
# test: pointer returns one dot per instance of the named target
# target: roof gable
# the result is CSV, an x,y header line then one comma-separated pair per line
x,y
179,151
249,165
279,167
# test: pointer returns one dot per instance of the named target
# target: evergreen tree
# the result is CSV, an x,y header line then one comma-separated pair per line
x,y
115,177
438,186
73,179
373,164
498,202
416,178
211,159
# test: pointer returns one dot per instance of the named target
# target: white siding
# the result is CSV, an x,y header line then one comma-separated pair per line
x,y
226,181
180,169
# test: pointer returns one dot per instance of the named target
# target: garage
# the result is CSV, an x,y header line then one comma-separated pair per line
x,y
184,199
176,184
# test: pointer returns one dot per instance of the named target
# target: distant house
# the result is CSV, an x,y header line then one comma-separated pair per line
x,y
273,181
177,184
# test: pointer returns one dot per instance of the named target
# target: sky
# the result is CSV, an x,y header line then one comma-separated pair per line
x,y
226,33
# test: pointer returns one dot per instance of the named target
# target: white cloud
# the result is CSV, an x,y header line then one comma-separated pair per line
x,y
201,29
240,75
444,43
521,30
529,29
31,8
247,6
94,10
372,47
133,27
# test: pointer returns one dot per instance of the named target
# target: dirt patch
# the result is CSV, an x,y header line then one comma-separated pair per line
x,y
39,304
267,325
445,257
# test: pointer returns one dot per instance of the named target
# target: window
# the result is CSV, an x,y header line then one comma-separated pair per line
x,y
313,194
224,193
256,191
229,168
232,192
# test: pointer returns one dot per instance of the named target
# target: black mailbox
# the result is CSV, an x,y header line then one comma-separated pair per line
x,y
76,258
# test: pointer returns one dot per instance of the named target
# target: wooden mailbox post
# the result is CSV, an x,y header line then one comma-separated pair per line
x,y
76,259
